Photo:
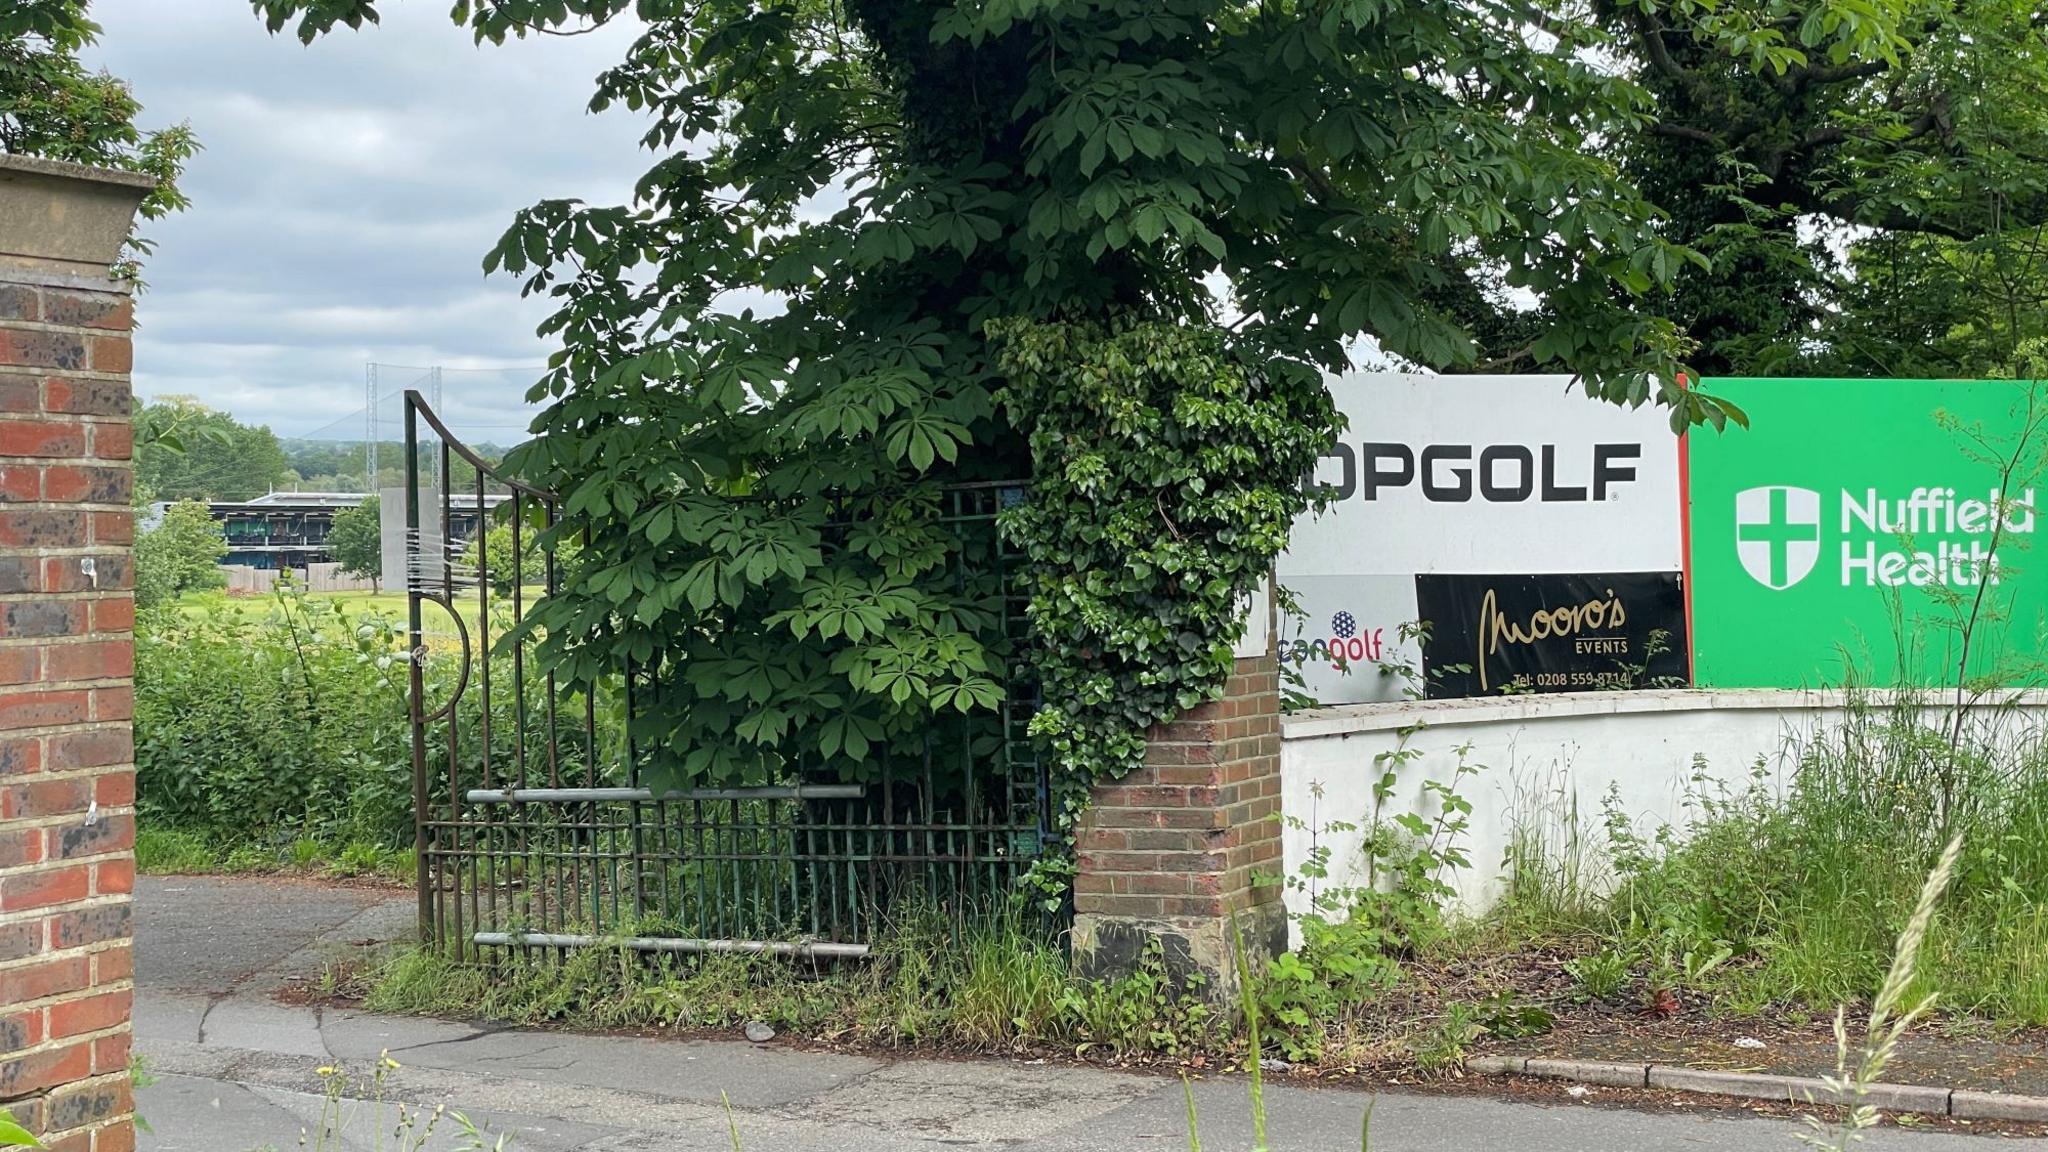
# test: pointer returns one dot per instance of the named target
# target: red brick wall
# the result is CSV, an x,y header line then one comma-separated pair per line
x,y
67,775
1182,837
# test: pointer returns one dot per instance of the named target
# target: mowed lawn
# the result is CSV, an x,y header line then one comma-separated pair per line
x,y
258,606
248,610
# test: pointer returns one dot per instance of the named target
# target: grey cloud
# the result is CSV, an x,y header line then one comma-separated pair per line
x,y
345,199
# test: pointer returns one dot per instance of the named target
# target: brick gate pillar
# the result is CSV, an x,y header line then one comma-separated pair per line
x,y
67,777
1170,852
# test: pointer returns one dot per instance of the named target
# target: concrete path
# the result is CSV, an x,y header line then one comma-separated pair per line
x,y
237,1071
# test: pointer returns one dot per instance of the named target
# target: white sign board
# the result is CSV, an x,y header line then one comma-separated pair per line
x,y
1486,475
1257,638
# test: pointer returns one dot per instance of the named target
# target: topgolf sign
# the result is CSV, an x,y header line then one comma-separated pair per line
x,y
1859,528
1440,478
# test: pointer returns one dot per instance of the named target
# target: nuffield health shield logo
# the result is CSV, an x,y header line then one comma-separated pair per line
x,y
1777,534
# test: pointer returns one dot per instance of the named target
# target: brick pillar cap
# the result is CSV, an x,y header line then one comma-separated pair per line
x,y
68,215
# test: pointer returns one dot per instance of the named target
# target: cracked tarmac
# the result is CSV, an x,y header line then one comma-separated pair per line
x,y
238,1070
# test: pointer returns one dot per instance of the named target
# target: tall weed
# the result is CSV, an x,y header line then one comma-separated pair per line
x,y
1790,891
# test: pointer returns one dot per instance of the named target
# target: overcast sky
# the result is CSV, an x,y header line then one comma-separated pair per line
x,y
345,199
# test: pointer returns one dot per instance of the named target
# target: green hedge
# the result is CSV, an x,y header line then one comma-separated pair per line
x,y
272,723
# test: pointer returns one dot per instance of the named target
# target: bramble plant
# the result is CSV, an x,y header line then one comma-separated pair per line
x,y
1356,932
1409,857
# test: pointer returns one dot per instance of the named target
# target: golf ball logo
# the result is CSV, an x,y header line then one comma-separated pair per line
x,y
1347,644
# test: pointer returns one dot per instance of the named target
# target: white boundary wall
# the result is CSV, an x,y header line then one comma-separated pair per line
x,y
1541,752
316,577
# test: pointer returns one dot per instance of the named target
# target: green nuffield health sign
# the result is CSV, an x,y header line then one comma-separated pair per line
x,y
1857,528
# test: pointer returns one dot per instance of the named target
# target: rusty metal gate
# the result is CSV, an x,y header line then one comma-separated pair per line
x,y
535,829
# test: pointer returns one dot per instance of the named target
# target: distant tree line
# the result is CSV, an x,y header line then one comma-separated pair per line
x,y
192,452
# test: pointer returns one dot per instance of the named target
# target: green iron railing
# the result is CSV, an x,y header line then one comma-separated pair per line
x,y
535,829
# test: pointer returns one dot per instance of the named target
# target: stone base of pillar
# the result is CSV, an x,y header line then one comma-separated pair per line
x,y
1197,953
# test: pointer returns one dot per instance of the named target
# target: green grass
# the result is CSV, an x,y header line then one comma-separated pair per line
x,y
177,851
988,985
258,607
201,603
251,611
163,850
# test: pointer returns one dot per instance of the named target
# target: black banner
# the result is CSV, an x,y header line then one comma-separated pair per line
x,y
1489,635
